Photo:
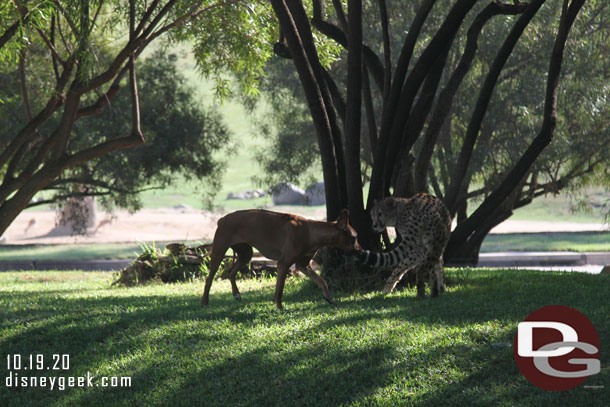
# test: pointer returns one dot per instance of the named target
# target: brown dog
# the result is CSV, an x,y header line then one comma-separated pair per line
x,y
289,239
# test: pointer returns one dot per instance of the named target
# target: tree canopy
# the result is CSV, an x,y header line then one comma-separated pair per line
x,y
85,52
182,138
472,101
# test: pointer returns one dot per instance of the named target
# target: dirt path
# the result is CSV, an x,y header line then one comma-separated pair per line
x,y
145,225
189,224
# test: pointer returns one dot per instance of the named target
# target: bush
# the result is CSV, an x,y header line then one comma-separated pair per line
x,y
175,264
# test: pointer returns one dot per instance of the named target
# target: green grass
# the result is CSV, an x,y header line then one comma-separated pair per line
x,y
557,209
72,252
365,350
543,242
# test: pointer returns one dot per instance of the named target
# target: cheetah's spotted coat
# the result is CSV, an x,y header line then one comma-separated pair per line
x,y
424,224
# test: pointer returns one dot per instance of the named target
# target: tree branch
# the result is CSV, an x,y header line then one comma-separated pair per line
x,y
188,17
474,126
415,124
338,6
387,50
139,42
133,84
315,102
51,47
97,107
544,137
447,95
303,27
24,89
146,17
353,117
26,133
10,32
332,31
338,100
389,141
66,15
391,103
369,108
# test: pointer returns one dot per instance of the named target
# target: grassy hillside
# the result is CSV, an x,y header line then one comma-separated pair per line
x,y
241,165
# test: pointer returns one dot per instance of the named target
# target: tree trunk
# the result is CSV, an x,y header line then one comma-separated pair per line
x,y
466,252
315,100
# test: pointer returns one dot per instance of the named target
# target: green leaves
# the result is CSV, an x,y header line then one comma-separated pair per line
x,y
182,137
231,38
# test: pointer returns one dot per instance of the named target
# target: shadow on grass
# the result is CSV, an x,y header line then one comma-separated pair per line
x,y
179,353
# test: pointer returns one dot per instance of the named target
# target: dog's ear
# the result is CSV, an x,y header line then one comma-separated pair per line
x,y
343,220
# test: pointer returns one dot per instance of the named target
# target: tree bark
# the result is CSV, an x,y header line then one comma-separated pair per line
x,y
390,136
358,217
317,107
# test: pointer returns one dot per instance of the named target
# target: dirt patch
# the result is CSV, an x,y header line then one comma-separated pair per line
x,y
38,227
147,225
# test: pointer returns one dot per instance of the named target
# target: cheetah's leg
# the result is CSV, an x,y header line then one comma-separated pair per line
x,y
424,275
432,272
393,280
438,268
414,260
435,278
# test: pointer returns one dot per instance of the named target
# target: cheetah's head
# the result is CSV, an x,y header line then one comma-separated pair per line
x,y
382,214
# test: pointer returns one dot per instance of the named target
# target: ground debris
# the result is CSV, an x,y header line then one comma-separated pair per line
x,y
179,263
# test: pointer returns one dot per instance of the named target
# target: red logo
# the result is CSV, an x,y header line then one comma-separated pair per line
x,y
556,348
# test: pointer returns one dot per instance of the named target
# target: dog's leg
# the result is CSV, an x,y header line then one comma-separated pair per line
x,y
244,255
313,276
282,273
218,252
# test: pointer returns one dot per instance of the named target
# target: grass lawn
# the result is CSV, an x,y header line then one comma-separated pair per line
x,y
557,209
548,242
71,252
365,350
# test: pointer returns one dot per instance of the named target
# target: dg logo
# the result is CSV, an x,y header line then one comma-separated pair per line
x,y
557,348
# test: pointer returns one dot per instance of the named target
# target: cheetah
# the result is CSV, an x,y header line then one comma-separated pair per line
x,y
424,224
